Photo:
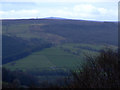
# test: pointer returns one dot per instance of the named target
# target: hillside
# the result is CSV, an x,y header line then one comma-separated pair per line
x,y
49,48
14,48
59,31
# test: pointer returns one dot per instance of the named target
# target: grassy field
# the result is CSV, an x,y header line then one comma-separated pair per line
x,y
50,58
67,56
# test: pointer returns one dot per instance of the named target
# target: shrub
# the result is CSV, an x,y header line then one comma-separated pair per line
x,y
101,71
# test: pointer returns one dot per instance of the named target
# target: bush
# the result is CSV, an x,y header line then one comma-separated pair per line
x,y
99,72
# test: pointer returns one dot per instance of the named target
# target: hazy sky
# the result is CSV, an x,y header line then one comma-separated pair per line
x,y
100,10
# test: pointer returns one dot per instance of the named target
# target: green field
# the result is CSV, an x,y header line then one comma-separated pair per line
x,y
50,58
58,57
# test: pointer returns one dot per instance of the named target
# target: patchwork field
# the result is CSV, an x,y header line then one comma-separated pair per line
x,y
50,58
64,57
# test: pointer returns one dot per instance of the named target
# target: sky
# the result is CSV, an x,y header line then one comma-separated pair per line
x,y
97,10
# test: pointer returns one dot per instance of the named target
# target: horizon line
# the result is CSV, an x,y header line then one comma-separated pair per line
x,y
57,18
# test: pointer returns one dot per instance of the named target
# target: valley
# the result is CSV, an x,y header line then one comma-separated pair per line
x,y
50,48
